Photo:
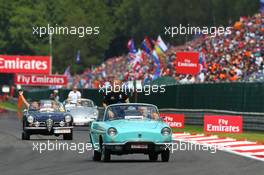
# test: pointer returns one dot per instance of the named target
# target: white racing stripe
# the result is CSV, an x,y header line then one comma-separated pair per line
x,y
203,138
257,154
226,145
235,143
180,134
219,141
189,136
248,147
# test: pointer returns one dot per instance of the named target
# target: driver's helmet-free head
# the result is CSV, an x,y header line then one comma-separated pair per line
x,y
35,105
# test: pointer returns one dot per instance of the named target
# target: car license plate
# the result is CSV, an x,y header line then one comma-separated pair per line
x,y
62,131
139,146
79,124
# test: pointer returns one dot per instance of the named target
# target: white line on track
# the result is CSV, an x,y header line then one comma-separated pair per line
x,y
248,147
223,144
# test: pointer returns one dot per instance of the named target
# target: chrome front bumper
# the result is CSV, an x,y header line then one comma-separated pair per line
x,y
43,128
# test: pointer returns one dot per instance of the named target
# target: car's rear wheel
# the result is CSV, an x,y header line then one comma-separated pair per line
x,y
25,135
106,155
67,136
165,156
97,155
153,157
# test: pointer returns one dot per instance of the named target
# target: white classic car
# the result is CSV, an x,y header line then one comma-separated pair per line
x,y
83,112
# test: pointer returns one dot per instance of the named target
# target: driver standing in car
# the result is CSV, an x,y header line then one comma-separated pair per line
x,y
74,95
116,95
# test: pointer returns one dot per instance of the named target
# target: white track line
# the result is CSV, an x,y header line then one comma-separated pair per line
x,y
190,136
247,147
235,143
224,145
180,134
218,141
203,138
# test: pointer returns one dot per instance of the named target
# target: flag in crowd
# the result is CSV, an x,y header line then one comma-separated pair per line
x,y
78,56
146,45
261,6
67,72
153,49
131,46
161,44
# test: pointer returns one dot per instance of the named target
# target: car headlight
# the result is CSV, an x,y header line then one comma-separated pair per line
x,y
68,118
166,131
112,131
30,119
95,113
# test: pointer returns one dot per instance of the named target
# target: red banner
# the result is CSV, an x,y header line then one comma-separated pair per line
x,y
40,80
173,120
25,64
227,124
187,63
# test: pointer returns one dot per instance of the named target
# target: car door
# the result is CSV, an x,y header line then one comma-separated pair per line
x,y
97,129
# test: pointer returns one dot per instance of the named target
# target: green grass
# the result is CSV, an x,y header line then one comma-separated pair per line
x,y
248,135
8,106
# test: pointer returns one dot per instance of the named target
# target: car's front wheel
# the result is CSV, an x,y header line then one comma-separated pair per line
x,y
153,157
106,155
25,135
165,156
97,155
67,136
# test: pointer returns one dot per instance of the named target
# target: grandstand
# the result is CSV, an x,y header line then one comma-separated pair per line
x,y
235,57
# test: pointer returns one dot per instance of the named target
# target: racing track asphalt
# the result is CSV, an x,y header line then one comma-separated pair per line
x,y
17,158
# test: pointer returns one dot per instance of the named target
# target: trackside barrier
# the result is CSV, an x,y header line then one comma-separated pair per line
x,y
251,120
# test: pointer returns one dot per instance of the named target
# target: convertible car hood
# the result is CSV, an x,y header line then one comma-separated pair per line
x,y
43,116
135,124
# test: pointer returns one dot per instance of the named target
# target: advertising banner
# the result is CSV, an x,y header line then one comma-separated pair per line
x,y
187,63
173,120
40,80
25,64
227,124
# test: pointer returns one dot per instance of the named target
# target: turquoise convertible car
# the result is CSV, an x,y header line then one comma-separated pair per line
x,y
130,128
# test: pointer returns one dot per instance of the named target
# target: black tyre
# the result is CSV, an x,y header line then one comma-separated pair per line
x,y
165,156
67,136
97,155
153,157
106,155
25,135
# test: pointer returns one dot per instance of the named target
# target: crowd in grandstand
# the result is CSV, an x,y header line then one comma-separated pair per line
x,y
225,58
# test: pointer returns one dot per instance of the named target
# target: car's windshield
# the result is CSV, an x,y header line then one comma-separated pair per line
x,y
132,112
84,103
46,106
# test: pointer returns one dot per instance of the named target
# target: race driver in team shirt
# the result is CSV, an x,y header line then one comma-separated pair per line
x,y
74,95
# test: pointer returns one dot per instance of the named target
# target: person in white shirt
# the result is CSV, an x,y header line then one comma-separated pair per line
x,y
74,95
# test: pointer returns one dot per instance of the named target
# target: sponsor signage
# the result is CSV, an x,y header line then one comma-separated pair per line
x,y
187,63
227,124
173,120
40,80
25,64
